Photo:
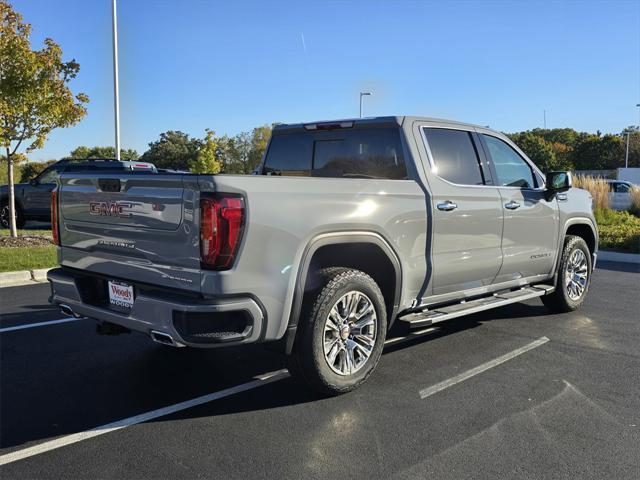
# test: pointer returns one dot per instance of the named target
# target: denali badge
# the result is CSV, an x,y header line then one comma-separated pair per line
x,y
115,209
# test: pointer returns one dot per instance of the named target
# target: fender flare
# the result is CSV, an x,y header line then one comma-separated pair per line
x,y
335,238
563,233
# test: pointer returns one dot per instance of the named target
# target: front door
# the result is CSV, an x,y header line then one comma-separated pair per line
x,y
467,212
530,236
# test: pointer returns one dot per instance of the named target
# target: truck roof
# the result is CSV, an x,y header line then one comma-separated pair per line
x,y
385,121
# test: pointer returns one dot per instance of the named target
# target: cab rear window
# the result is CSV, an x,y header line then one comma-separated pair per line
x,y
346,153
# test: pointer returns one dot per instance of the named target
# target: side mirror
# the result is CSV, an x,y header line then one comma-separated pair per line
x,y
557,182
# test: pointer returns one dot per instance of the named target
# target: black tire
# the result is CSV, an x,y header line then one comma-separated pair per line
x,y
4,216
308,362
562,299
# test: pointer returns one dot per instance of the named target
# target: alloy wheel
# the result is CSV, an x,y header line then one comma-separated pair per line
x,y
576,274
349,333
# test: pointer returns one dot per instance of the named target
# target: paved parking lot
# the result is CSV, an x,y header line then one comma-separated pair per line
x,y
566,407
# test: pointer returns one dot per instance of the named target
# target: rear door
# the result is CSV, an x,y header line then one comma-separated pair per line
x,y
37,195
530,235
140,227
467,212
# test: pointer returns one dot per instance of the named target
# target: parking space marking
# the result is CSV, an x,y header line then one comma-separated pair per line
x,y
438,387
40,324
417,333
143,417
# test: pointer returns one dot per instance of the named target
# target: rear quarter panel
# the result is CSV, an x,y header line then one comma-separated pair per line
x,y
285,214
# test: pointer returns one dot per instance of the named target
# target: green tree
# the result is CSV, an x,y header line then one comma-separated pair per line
x,y
83,152
566,136
174,150
537,149
234,152
34,95
31,170
259,140
242,153
596,152
206,160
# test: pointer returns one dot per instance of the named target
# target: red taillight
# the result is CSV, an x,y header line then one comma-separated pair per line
x,y
54,216
221,220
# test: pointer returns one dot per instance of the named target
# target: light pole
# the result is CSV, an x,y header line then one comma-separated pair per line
x,y
362,94
116,92
626,156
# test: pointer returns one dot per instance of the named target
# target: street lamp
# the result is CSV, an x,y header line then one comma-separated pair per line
x,y
362,94
626,156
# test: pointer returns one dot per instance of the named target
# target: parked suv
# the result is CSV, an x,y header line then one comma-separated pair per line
x,y
33,199
347,228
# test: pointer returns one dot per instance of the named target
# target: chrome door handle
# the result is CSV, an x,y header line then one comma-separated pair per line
x,y
447,206
512,205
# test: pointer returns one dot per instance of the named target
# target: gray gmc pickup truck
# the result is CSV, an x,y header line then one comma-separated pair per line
x,y
347,228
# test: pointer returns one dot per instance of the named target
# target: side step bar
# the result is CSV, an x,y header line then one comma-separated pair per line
x,y
439,314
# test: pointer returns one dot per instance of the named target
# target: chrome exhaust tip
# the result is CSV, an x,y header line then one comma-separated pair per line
x,y
164,339
66,310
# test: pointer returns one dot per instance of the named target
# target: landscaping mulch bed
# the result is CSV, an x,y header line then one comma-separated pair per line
x,y
25,241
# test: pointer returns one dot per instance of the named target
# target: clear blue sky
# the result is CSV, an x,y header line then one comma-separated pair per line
x,y
229,66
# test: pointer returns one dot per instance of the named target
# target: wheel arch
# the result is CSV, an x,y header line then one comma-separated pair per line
x,y
586,231
365,251
582,227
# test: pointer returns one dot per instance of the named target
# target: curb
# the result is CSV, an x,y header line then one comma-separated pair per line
x,y
23,277
606,256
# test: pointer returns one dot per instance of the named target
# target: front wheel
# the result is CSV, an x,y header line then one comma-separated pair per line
x,y
341,332
574,276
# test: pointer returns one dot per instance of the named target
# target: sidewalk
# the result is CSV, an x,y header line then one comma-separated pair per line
x,y
23,277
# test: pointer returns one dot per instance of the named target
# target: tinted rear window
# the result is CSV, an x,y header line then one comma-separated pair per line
x,y
357,153
454,155
289,155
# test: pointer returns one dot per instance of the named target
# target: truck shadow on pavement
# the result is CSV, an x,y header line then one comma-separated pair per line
x,y
100,380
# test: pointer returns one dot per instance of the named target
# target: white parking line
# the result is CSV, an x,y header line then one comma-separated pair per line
x,y
143,417
417,333
40,324
438,387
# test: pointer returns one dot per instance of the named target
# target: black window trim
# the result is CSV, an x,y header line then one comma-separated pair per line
x,y
485,174
518,152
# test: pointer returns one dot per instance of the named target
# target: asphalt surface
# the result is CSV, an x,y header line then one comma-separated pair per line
x,y
569,408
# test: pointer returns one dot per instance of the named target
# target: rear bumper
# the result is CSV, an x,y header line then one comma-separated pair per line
x,y
189,322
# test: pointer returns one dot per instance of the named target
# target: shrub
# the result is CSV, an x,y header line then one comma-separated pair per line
x,y
618,230
635,201
597,187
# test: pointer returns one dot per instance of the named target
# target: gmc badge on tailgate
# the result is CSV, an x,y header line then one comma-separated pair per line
x,y
110,209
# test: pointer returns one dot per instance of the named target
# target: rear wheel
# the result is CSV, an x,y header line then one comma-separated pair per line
x,y
341,332
574,276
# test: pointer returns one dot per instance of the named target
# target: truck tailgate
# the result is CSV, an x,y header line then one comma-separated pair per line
x,y
138,227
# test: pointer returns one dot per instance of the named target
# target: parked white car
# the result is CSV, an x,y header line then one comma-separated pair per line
x,y
620,194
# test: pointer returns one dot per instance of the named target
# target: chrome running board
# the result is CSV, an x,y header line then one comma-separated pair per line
x,y
425,318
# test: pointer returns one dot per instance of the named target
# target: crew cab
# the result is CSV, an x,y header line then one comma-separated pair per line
x,y
347,228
